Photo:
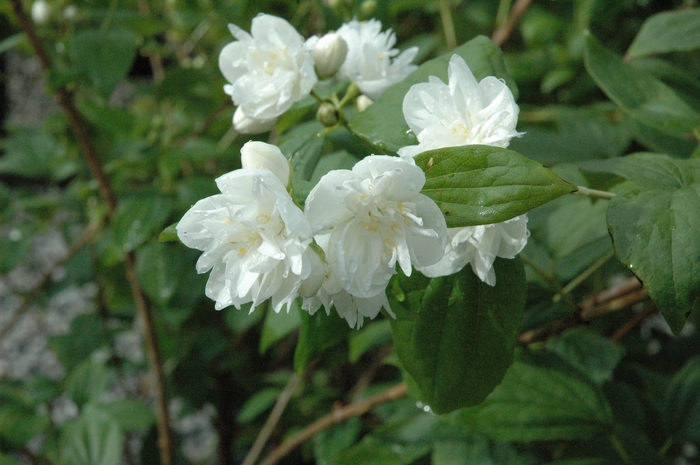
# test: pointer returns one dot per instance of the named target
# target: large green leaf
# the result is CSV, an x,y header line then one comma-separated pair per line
x,y
682,403
139,217
159,270
541,398
94,439
655,224
638,92
480,184
105,56
373,450
669,31
383,124
318,333
87,382
458,343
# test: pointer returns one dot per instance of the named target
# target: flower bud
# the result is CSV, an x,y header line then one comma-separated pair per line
x,y
367,9
329,55
327,114
246,125
41,12
256,155
310,286
363,102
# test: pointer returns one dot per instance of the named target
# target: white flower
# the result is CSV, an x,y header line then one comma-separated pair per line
x,y
329,54
363,102
461,112
371,62
246,125
479,246
269,69
352,309
41,12
255,155
254,238
369,219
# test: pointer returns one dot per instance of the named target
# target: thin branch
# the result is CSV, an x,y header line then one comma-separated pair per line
x,y
336,416
501,35
586,192
81,133
154,59
574,283
633,322
87,235
448,25
272,420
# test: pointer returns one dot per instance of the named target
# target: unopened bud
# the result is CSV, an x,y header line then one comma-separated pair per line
x,y
363,102
367,9
310,286
329,55
247,125
327,114
41,12
256,155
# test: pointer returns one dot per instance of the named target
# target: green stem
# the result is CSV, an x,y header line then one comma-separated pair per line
x,y
574,283
586,192
620,449
448,24
503,10
667,445
549,280
352,92
318,98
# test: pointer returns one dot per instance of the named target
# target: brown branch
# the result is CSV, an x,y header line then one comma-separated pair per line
x,y
633,322
81,133
336,416
501,35
272,420
87,235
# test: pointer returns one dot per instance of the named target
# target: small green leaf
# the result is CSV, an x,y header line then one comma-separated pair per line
x,y
86,336
369,336
373,450
159,271
318,332
593,354
655,224
383,126
20,422
138,217
541,398
94,439
169,234
669,31
130,415
682,403
28,154
278,325
257,404
87,382
480,184
105,56
457,342
639,93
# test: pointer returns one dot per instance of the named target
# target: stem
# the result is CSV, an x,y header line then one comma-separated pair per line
x,y
336,416
448,24
584,191
667,445
352,92
89,150
501,34
315,95
272,420
502,14
574,283
620,449
632,323
550,281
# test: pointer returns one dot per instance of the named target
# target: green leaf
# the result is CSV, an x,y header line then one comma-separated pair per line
x,y
541,398
278,325
130,415
480,184
476,450
669,31
87,382
459,343
369,336
303,146
159,271
318,332
383,126
20,422
86,336
138,217
257,404
11,42
655,224
169,234
682,403
329,443
105,56
7,460
593,354
28,154
94,439
373,450
637,92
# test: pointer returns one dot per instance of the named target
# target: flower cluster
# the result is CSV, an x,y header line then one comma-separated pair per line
x,y
272,67
357,225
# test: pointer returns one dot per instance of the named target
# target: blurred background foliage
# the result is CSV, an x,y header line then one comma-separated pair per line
x,y
74,380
